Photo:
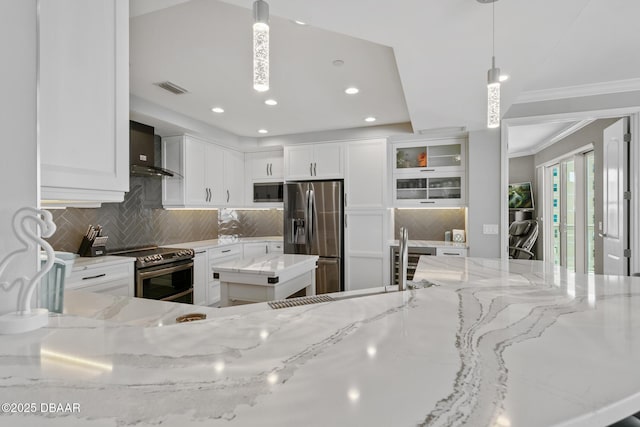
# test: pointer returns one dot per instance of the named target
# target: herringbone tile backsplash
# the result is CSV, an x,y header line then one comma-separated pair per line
x,y
428,224
140,221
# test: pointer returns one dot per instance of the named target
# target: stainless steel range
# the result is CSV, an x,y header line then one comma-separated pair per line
x,y
163,273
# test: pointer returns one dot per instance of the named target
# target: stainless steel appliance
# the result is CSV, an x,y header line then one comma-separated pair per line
x,y
413,256
313,225
268,192
163,273
142,151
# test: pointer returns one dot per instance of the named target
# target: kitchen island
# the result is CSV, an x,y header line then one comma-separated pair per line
x,y
266,278
484,343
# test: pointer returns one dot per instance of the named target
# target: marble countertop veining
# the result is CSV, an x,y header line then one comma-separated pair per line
x,y
490,343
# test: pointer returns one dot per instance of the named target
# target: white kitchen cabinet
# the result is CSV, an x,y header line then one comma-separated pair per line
x,y
200,277
451,252
366,250
209,175
313,161
275,248
254,249
265,166
83,97
429,173
366,174
433,189
217,256
111,279
431,155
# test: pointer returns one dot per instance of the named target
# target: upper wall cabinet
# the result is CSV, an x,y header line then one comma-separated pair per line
x,y
438,155
212,176
265,166
313,161
429,173
83,110
366,174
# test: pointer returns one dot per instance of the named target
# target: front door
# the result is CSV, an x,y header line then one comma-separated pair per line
x,y
615,229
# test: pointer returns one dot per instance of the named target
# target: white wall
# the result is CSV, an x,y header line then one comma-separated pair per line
x,y
369,132
18,163
484,194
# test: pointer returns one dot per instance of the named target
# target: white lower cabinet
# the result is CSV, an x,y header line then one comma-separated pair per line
x,y
366,250
451,251
275,248
200,277
112,279
252,250
218,256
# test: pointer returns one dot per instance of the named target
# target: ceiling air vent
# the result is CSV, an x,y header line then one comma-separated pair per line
x,y
172,87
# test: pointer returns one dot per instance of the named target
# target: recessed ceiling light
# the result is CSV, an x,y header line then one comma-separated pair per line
x,y
504,77
351,90
263,131
338,62
217,110
299,22
271,102
370,119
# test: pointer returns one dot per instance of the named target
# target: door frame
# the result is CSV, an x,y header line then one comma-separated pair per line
x,y
634,169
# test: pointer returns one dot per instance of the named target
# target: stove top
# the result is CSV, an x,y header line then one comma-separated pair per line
x,y
150,256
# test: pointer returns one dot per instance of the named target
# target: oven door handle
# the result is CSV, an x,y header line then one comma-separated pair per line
x,y
176,296
168,270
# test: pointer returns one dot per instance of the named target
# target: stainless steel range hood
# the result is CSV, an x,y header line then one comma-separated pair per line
x,y
142,152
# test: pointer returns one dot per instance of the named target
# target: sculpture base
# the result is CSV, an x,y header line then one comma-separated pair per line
x,y
17,323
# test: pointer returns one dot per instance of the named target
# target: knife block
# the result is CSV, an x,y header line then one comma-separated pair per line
x,y
88,250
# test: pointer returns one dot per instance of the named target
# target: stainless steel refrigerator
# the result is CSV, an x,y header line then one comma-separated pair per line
x,y
313,225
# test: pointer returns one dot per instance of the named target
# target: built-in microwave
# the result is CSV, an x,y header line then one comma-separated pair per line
x,y
268,192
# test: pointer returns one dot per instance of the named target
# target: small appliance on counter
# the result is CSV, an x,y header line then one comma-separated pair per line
x,y
93,242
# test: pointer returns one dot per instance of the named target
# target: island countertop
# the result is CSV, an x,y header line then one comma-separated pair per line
x,y
497,343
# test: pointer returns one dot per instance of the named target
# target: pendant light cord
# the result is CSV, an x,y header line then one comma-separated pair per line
x,y
493,25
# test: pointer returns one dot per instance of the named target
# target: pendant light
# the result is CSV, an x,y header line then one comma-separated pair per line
x,y
493,76
260,46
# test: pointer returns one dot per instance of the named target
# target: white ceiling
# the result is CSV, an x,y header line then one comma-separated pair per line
x,y
442,49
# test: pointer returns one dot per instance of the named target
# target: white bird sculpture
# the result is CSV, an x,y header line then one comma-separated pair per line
x,y
25,318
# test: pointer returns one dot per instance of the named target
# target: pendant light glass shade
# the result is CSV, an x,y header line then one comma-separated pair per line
x,y
261,46
493,96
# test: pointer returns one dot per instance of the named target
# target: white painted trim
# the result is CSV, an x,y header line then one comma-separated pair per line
x,y
634,208
565,156
558,136
504,190
590,89
633,113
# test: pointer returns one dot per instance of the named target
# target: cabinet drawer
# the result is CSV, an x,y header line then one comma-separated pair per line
x,y
116,287
99,275
276,248
225,251
451,252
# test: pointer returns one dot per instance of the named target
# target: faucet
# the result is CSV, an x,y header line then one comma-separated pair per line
x,y
404,259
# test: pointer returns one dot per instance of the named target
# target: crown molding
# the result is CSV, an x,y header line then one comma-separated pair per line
x,y
591,89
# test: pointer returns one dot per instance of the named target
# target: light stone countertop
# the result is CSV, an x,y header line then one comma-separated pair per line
x,y
431,244
489,343
82,263
269,265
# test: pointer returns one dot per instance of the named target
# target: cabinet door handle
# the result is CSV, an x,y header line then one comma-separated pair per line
x,y
427,170
227,196
225,251
206,194
267,169
345,200
94,277
271,169
314,169
449,253
427,202
345,220
311,169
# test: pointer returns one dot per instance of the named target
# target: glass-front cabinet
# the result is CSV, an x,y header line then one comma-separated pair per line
x,y
433,190
429,173
439,155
